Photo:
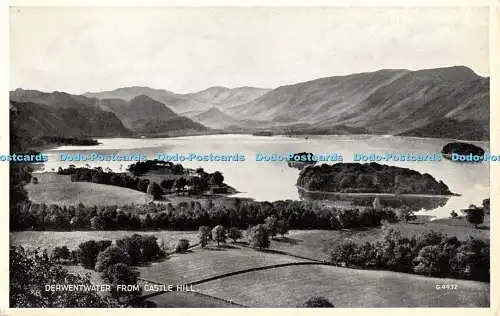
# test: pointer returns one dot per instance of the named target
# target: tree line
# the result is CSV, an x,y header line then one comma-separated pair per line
x,y
430,253
197,183
191,215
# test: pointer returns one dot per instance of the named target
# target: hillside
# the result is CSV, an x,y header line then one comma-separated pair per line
x,y
177,102
146,115
214,118
224,98
220,97
36,120
382,102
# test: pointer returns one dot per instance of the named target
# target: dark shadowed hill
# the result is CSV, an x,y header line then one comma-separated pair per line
x,y
61,114
177,102
382,102
36,120
146,115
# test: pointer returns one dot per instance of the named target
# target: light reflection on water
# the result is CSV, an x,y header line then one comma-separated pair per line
x,y
275,180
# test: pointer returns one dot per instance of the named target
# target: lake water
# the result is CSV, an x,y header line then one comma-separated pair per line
x,y
275,180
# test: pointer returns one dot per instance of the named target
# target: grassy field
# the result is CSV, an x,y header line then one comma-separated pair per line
x,y
49,239
58,189
316,243
201,263
292,285
188,300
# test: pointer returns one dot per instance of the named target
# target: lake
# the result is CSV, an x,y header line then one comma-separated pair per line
x,y
265,180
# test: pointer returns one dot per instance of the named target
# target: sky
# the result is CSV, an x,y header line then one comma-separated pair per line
x,y
82,49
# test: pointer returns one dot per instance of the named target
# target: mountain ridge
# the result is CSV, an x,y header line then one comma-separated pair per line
x,y
451,102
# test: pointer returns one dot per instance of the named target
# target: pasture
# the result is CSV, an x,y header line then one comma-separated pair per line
x,y
199,264
58,189
315,244
188,300
292,285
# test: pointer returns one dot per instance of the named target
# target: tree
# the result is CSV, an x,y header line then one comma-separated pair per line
x,y
103,244
167,184
217,178
344,252
271,223
177,169
474,215
204,234
121,274
486,206
31,272
317,301
219,234
430,261
87,254
109,257
259,236
453,214
61,253
154,190
282,228
182,246
405,214
142,185
234,234
180,184
140,248
35,180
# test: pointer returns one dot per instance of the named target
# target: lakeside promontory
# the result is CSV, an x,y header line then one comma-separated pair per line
x,y
369,178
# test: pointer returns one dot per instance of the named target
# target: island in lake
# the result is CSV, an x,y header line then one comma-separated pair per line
x,y
263,133
462,149
369,178
71,141
301,160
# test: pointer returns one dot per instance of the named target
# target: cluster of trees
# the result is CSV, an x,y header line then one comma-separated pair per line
x,y
198,183
141,167
370,178
113,261
31,271
98,255
317,301
258,235
430,253
475,214
189,216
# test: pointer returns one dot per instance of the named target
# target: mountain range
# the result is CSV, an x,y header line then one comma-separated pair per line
x,y
451,102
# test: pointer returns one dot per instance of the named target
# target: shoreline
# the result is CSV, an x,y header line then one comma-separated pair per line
x,y
380,194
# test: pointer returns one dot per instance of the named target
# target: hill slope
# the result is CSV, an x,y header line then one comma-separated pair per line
x,y
382,102
177,102
214,118
146,115
223,97
59,114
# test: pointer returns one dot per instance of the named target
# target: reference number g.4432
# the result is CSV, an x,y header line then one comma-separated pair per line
x,y
446,286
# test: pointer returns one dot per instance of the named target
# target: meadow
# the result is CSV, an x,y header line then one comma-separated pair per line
x,y
58,189
315,244
292,285
199,264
